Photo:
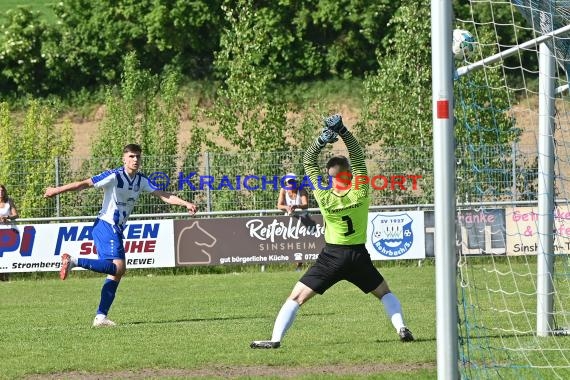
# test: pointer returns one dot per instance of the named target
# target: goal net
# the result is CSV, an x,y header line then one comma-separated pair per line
x,y
512,126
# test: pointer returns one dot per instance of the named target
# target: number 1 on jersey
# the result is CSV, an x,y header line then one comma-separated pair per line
x,y
349,225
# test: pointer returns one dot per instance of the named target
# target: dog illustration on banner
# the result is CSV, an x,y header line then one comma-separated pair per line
x,y
392,235
195,235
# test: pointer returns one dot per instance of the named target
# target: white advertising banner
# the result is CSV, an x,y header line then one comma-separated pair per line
x,y
38,247
522,230
396,235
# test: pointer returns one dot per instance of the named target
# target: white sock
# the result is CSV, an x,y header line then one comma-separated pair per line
x,y
284,319
393,309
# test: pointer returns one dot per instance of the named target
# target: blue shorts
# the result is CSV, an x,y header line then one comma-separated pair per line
x,y
108,241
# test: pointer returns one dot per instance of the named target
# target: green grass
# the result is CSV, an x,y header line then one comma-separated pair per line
x,y
184,322
498,313
177,325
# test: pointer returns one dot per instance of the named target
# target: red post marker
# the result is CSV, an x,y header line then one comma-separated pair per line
x,y
443,109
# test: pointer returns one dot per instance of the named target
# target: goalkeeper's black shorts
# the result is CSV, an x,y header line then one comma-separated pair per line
x,y
342,262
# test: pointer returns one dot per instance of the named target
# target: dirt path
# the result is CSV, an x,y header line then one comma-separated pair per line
x,y
229,372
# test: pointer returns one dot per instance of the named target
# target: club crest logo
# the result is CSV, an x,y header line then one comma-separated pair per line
x,y
392,235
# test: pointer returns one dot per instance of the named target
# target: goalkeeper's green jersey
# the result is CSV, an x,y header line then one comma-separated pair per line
x,y
346,216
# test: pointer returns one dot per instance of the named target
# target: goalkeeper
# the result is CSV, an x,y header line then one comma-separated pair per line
x,y
344,256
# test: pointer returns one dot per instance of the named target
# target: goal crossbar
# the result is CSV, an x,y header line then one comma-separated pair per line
x,y
511,51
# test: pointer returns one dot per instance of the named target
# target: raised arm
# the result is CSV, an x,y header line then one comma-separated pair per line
x,y
73,186
310,160
355,152
174,200
310,165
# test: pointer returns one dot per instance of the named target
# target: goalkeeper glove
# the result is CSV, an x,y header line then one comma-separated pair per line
x,y
334,123
327,137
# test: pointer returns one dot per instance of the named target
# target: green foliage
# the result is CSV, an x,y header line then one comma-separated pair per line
x,y
318,39
302,40
397,99
145,109
249,112
397,107
8,138
29,166
345,32
94,36
22,53
43,6
185,33
332,91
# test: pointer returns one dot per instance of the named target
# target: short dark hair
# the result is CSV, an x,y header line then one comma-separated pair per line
x,y
340,161
132,148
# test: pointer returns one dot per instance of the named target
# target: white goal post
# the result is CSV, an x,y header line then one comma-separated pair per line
x,y
444,190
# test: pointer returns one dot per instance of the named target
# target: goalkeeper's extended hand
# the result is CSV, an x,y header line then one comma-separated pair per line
x,y
334,123
327,137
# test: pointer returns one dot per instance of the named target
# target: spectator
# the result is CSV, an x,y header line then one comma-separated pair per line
x,y
8,213
291,198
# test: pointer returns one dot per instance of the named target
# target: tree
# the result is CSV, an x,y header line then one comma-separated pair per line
x,y
29,166
23,60
248,109
186,33
144,109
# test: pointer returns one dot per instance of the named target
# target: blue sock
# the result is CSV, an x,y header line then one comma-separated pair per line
x,y
101,266
107,296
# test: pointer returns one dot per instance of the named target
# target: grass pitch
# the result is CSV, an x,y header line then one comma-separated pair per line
x,y
181,326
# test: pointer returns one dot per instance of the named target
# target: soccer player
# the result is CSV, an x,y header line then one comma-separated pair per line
x,y
344,257
122,187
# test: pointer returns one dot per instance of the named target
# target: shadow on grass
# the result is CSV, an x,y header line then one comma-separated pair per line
x,y
416,340
189,320
212,319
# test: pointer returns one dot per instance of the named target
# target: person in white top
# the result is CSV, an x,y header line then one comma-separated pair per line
x,y
8,210
122,187
8,213
291,198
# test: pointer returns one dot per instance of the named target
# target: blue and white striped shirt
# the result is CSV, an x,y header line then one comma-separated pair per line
x,y
121,194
